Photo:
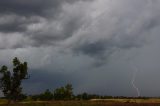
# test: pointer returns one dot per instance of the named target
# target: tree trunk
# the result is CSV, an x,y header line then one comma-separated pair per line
x,y
10,102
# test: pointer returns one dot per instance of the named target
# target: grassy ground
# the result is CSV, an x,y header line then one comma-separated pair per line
x,y
108,102
129,100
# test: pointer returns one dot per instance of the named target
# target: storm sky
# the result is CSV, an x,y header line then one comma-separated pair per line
x,y
96,45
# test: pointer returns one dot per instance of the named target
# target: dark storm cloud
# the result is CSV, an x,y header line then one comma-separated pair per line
x,y
100,36
92,49
44,80
24,7
130,29
19,13
105,34
41,22
100,50
34,7
10,23
51,34
35,20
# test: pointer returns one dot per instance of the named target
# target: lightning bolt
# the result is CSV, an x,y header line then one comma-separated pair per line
x,y
134,78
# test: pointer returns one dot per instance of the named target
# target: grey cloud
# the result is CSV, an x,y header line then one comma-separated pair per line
x,y
100,51
10,23
104,33
36,7
39,29
51,32
114,31
98,36
120,28
92,49
19,13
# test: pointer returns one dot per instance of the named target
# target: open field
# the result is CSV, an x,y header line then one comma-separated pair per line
x,y
129,100
106,102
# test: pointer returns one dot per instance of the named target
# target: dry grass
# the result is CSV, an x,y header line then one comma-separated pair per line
x,y
106,102
129,100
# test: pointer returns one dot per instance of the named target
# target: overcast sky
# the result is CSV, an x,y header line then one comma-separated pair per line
x,y
107,47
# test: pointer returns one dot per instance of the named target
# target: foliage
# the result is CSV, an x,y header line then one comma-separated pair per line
x,y
34,97
47,95
10,81
64,93
22,97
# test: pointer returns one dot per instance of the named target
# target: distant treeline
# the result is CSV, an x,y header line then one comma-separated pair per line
x,y
66,93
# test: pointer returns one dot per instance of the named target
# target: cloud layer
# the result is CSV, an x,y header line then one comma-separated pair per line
x,y
73,39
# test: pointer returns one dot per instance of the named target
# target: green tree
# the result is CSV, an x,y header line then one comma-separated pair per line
x,y
68,91
47,95
85,96
59,93
64,93
10,81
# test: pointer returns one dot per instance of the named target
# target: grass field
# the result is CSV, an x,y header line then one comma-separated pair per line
x,y
106,102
